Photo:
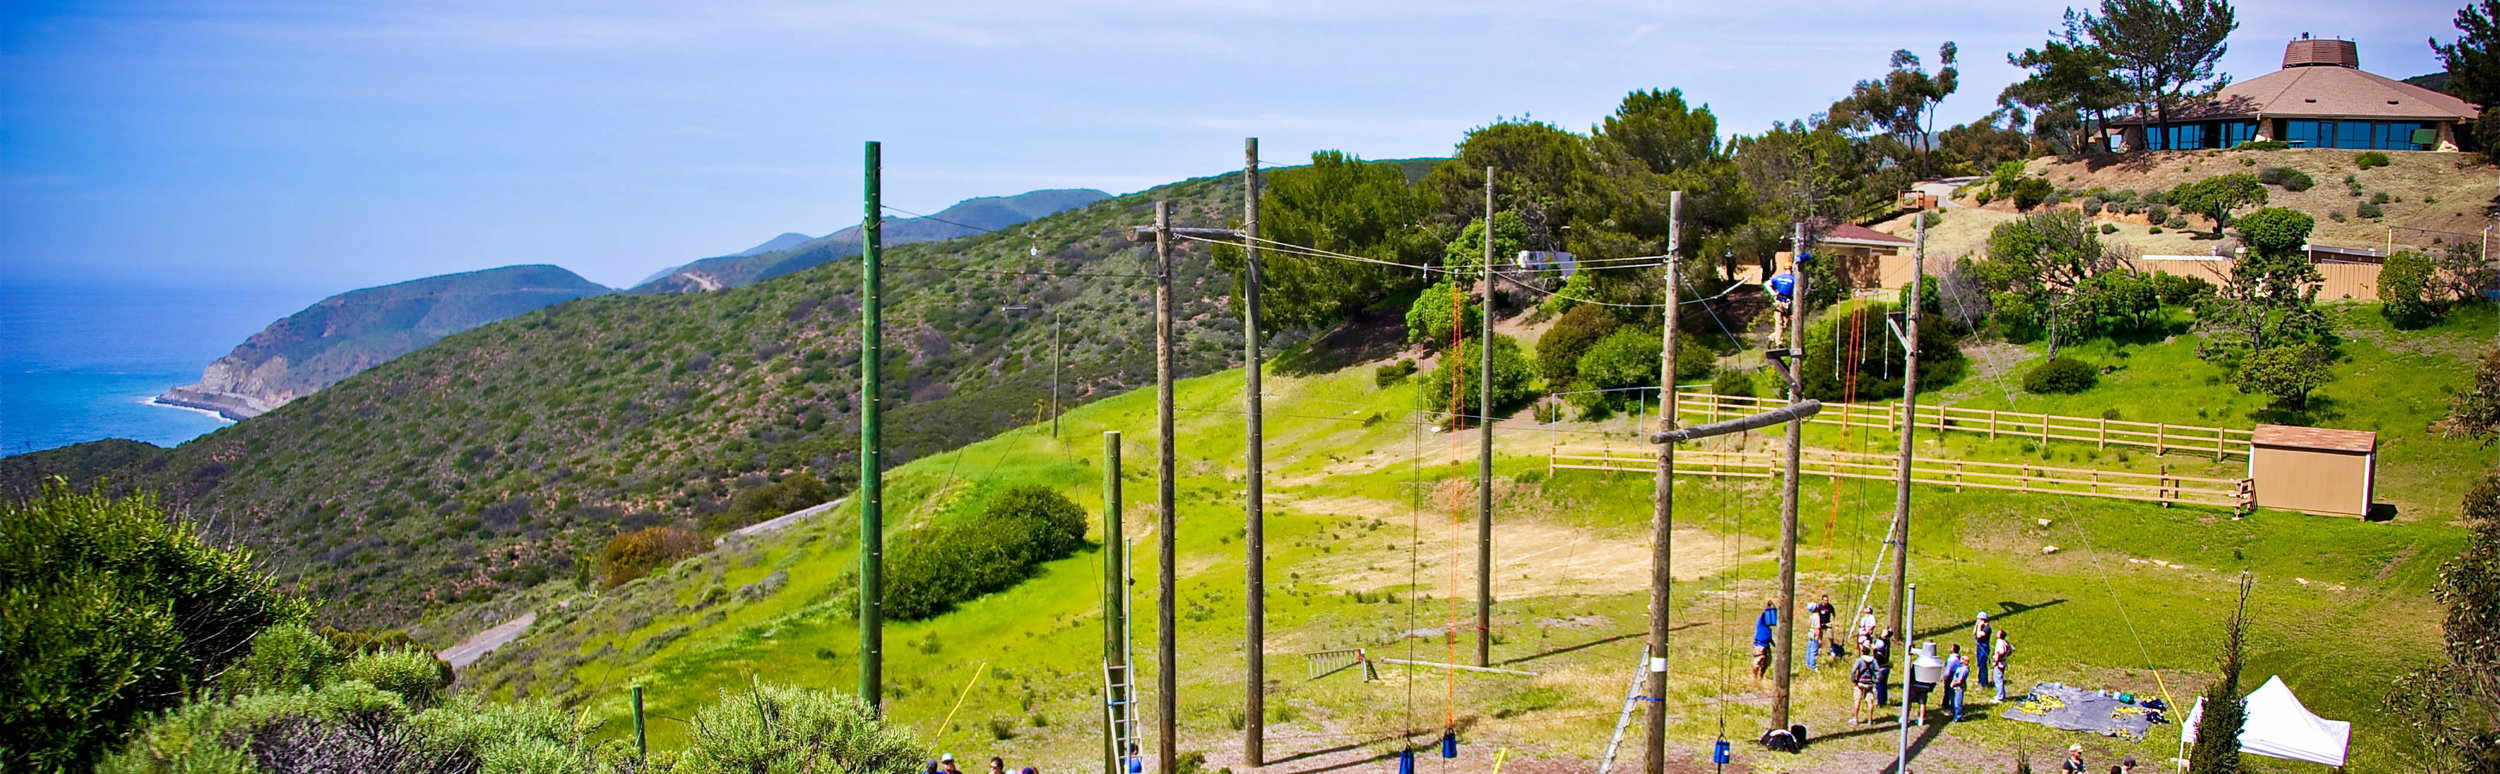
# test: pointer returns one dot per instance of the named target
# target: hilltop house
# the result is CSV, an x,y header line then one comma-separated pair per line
x,y
2320,99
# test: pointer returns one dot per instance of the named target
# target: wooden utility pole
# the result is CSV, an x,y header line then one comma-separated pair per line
x,y
1254,527
1484,454
1662,528
1167,521
1783,636
1900,538
871,448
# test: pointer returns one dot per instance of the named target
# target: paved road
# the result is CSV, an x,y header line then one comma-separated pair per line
x,y
482,643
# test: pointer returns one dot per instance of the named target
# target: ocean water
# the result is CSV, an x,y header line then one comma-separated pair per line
x,y
79,362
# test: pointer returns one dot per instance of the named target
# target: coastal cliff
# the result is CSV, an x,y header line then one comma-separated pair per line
x,y
350,332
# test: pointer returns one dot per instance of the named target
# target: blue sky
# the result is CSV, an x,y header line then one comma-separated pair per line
x,y
333,145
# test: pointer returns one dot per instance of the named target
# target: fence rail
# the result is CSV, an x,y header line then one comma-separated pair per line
x,y
2159,437
2163,487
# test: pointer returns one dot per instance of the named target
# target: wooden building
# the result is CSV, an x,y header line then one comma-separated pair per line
x,y
2314,469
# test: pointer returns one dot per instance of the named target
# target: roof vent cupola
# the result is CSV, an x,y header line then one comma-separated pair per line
x,y
2318,52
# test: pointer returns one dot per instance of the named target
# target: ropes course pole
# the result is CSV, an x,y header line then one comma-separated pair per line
x,y
1167,585
1899,541
1901,763
1484,454
1662,529
1783,636
1114,610
1254,527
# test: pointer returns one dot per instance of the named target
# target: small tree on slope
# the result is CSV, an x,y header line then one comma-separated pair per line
x,y
2218,731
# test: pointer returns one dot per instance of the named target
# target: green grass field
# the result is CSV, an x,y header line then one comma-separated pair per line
x,y
1363,537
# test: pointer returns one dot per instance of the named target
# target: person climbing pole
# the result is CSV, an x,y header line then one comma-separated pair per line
x,y
1762,637
1783,289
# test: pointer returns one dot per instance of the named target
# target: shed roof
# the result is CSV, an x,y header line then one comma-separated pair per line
x,y
2327,439
1857,234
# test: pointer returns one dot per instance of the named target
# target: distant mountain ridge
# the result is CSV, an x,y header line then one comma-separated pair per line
x,y
359,329
781,256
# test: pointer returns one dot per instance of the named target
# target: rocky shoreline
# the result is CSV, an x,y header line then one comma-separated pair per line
x,y
229,405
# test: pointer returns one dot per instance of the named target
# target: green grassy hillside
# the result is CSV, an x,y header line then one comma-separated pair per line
x,y
1369,510
491,460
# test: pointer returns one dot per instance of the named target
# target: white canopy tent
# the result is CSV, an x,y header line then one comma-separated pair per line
x,y
2279,727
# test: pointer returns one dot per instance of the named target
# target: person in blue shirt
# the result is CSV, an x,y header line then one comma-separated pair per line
x,y
1956,682
1762,637
1783,290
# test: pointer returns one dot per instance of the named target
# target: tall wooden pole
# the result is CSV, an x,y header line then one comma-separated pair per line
x,y
1783,636
1254,528
1167,522
1662,529
871,448
1900,538
1484,453
1114,608
1902,615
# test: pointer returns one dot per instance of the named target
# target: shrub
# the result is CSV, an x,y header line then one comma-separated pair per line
x,y
1511,376
2404,285
635,554
1558,351
2178,290
415,675
1880,365
2060,375
2369,210
2176,222
2380,198
781,728
2287,178
1732,382
2031,192
2262,145
286,659
1394,372
2335,215
2109,228
791,493
2370,159
2153,230
2092,206
1627,358
112,611
2156,214
949,565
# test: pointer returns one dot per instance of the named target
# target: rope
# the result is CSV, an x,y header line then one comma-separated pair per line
x,y
1457,370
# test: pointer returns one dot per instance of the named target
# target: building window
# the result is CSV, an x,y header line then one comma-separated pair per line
x,y
2236,132
2352,134
2396,135
2308,134
2177,137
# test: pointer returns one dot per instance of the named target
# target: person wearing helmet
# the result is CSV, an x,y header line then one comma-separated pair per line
x,y
1783,289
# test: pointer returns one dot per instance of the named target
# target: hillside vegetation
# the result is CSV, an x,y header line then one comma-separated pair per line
x,y
1370,508
497,458
350,332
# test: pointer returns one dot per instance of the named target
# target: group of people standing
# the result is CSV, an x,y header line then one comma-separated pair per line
x,y
1871,672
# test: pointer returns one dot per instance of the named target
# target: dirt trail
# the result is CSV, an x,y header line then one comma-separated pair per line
x,y
482,643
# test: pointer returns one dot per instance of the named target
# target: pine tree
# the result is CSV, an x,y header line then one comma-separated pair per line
x,y
2218,731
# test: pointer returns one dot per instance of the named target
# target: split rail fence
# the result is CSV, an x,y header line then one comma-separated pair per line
x,y
2163,487
2161,438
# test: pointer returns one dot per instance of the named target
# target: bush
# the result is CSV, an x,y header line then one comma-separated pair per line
x,y
112,611
2060,375
635,554
2031,191
1393,373
953,564
780,728
2156,214
1732,382
1625,359
1558,351
2381,198
2178,290
1511,376
2287,178
286,659
2262,145
1880,365
791,493
2109,228
2176,222
2404,285
2370,159
415,675
2368,210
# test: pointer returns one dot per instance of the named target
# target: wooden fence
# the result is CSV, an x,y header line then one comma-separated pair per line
x,y
2158,437
2162,487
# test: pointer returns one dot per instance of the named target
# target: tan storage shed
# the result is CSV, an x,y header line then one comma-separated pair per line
x,y
2314,469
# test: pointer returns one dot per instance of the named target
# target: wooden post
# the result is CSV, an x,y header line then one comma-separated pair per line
x,y
1119,704
1782,672
1254,516
1662,529
2161,438
1167,521
1484,453
1900,537
871,446
642,743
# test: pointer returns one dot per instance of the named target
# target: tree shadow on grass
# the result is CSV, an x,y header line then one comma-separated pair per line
x,y
2005,609
2320,409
